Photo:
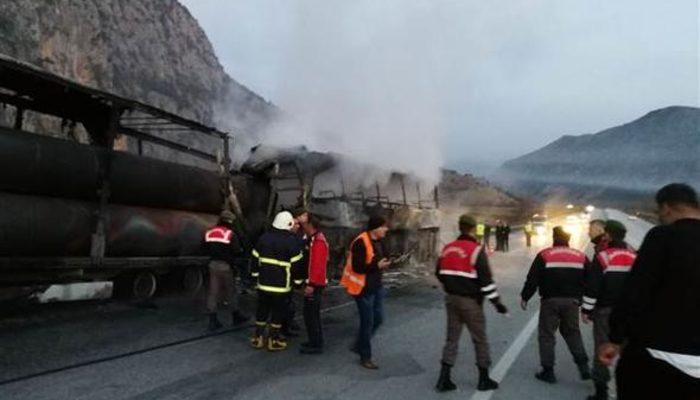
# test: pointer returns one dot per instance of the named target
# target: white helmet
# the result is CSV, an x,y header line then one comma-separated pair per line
x,y
283,221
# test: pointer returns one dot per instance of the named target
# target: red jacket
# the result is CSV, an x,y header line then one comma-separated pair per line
x,y
318,259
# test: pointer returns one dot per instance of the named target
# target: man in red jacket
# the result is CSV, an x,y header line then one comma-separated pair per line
x,y
315,283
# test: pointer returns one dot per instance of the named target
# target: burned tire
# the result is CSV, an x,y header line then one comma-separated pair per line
x,y
192,280
139,286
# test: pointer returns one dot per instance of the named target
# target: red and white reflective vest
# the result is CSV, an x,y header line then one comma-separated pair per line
x,y
616,260
219,234
563,257
458,258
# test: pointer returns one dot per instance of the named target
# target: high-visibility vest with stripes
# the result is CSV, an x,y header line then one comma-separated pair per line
x,y
219,234
616,260
480,229
354,282
458,258
563,257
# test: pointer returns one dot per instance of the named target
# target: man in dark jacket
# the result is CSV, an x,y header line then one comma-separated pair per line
x,y
463,269
278,266
657,315
558,273
609,272
370,264
223,248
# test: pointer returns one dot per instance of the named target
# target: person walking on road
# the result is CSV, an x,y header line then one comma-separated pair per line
x,y
528,234
278,255
362,278
657,316
463,269
558,273
223,248
506,237
487,235
315,283
609,272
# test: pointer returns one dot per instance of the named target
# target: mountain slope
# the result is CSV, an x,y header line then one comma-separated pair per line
x,y
152,51
638,157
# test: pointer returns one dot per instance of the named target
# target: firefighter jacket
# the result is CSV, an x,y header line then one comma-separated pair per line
x,y
609,272
221,244
557,271
317,260
463,269
278,261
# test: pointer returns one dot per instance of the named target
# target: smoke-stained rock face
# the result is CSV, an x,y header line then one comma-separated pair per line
x,y
638,157
152,51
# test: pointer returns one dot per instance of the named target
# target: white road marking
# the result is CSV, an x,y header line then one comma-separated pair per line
x,y
501,369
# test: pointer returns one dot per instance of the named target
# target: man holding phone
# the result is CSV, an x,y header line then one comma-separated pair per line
x,y
362,278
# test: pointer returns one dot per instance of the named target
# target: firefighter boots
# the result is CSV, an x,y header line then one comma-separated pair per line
x,y
276,342
258,339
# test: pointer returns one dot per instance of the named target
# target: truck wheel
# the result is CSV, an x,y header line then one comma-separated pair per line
x,y
192,280
144,285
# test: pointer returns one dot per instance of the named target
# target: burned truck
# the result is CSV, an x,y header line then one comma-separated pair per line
x,y
97,187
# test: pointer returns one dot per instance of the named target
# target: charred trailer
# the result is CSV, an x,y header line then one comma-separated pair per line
x,y
123,192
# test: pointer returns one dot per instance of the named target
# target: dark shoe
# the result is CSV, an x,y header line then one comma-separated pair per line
x,y
485,381
584,372
444,383
311,350
369,364
601,392
546,375
214,323
238,318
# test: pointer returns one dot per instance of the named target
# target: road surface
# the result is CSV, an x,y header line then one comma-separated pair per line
x,y
223,366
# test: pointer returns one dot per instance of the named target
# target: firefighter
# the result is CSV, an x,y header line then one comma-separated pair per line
x,y
290,327
278,267
604,283
315,284
558,273
656,316
223,248
463,269
362,278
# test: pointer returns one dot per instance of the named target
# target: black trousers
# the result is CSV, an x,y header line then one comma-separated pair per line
x,y
640,376
272,307
312,317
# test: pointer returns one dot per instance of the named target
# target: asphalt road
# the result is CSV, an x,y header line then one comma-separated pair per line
x,y
407,349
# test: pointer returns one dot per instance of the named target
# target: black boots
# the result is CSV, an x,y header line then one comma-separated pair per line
x,y
546,375
485,381
445,383
214,323
584,371
601,392
239,318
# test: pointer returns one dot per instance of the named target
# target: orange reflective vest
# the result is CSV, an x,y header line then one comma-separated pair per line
x,y
354,282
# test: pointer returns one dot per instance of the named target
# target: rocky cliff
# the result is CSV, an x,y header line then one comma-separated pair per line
x,y
152,51
618,163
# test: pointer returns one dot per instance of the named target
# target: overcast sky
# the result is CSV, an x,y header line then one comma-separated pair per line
x,y
485,80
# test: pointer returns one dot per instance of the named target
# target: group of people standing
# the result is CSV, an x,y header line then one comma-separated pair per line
x,y
483,231
645,307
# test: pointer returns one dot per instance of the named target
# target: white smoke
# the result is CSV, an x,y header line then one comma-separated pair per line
x,y
370,95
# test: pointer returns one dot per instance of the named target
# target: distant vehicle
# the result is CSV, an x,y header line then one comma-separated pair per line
x,y
539,224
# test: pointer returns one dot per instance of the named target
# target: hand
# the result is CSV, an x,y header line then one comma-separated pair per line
x,y
501,308
308,291
607,353
585,318
384,263
523,304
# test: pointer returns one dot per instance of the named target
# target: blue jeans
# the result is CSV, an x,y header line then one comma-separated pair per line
x,y
371,309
